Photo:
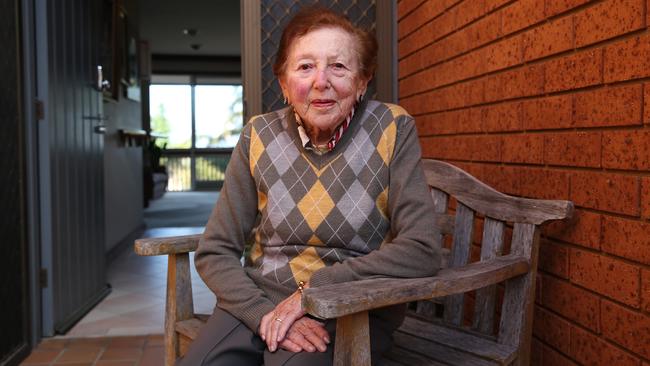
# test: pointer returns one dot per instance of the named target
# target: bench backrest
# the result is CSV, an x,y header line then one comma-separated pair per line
x,y
461,204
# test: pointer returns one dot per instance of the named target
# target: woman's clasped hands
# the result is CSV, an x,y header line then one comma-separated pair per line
x,y
288,328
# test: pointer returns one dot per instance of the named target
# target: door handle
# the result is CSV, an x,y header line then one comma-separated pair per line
x,y
99,129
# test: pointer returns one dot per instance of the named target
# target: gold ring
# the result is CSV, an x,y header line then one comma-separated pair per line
x,y
278,320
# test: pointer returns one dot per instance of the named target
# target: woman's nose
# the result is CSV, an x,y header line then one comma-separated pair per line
x,y
321,79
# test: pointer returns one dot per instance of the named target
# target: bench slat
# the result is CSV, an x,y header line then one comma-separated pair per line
x,y
458,339
491,247
400,356
189,328
438,352
463,234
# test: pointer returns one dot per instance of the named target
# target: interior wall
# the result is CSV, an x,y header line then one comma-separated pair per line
x,y
550,99
122,164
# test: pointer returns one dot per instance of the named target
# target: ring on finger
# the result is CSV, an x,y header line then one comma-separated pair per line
x,y
278,320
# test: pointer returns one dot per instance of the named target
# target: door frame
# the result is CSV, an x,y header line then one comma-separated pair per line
x,y
30,54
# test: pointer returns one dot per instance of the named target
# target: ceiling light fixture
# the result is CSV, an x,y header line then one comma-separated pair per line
x,y
190,32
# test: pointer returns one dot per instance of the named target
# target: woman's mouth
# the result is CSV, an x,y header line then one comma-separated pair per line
x,y
323,103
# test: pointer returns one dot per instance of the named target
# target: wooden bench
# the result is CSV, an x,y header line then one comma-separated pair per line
x,y
473,312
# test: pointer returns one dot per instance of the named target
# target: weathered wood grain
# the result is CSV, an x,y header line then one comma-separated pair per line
x,y
352,340
178,304
169,245
399,356
482,198
438,352
518,301
189,328
342,299
459,339
491,247
463,234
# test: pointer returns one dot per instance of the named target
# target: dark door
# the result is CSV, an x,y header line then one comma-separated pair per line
x,y
14,304
72,165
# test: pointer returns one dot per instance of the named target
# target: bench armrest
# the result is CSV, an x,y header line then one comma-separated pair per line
x,y
334,301
169,245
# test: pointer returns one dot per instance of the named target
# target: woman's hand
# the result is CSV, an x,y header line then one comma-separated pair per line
x,y
275,324
306,334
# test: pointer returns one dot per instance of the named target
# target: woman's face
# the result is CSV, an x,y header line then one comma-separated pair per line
x,y
322,79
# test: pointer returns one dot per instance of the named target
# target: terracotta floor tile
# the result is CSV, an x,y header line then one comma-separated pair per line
x,y
53,343
42,356
155,340
130,342
122,353
79,355
153,356
88,342
116,363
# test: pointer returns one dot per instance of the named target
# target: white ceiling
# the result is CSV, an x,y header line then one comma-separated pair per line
x,y
217,21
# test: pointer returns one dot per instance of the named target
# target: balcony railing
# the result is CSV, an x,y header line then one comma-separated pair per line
x,y
195,169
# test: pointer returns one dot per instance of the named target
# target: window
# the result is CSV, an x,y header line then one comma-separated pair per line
x,y
199,123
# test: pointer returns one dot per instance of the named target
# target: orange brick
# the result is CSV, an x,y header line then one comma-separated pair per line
x,y
483,31
502,178
543,183
468,11
523,149
475,92
608,19
548,113
555,358
583,229
421,14
646,100
574,71
559,6
493,4
572,302
645,197
627,238
404,7
502,117
628,59
470,120
627,328
589,349
606,191
520,82
645,290
573,149
628,150
551,329
503,54
548,39
554,259
485,148
620,106
426,34
521,14
613,278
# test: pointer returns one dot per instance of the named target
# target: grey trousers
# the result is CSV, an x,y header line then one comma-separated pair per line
x,y
225,341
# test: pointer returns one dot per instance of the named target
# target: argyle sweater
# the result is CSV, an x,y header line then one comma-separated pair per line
x,y
360,211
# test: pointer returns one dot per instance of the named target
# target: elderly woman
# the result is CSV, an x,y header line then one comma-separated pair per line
x,y
327,190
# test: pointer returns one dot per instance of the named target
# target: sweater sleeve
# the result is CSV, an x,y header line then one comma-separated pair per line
x,y
218,257
412,252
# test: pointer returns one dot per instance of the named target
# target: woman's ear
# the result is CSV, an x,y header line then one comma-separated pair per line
x,y
284,88
362,88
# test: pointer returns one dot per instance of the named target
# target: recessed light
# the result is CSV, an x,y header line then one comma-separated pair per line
x,y
190,32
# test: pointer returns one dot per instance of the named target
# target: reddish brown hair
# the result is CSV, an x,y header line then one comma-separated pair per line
x,y
313,18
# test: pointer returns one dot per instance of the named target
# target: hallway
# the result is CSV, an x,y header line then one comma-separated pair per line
x,y
136,304
126,327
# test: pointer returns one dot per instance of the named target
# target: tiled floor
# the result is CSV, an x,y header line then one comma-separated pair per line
x,y
126,327
104,351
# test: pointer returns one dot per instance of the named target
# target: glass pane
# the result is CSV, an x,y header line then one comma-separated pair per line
x,y
171,114
218,115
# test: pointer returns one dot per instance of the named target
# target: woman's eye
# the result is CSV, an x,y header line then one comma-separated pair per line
x,y
338,65
304,67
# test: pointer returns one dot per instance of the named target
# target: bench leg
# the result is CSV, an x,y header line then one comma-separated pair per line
x,y
179,304
352,340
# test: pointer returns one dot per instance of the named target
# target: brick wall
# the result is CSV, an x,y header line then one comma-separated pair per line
x,y
550,99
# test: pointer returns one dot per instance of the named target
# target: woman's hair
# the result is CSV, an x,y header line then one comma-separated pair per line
x,y
315,17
